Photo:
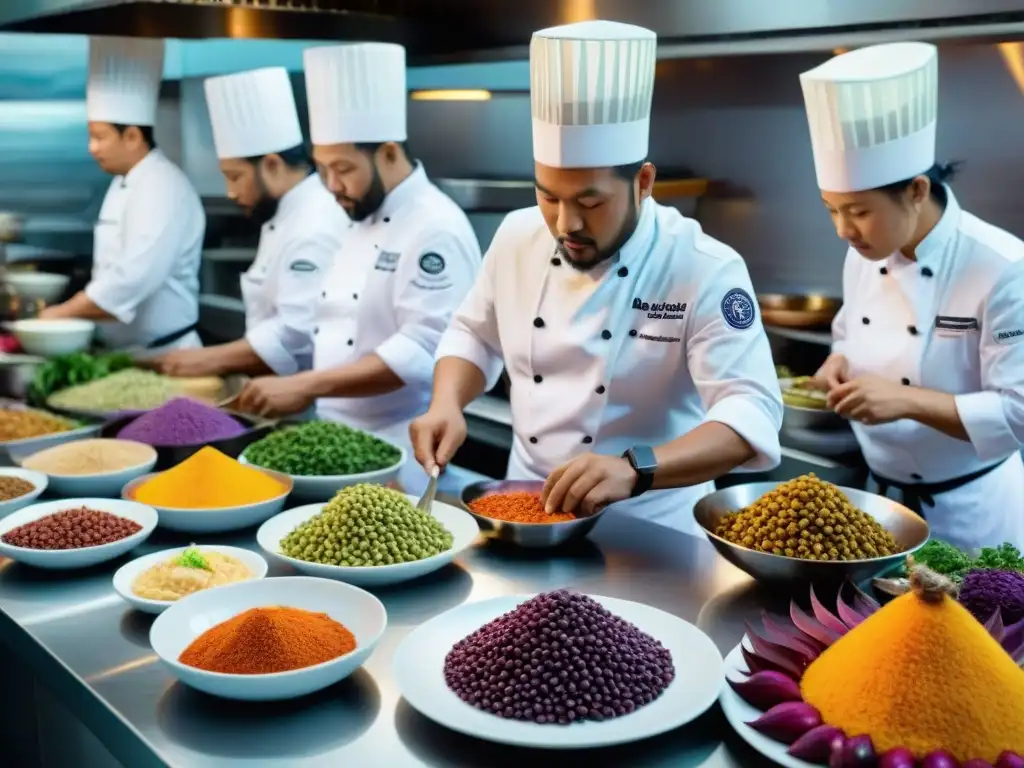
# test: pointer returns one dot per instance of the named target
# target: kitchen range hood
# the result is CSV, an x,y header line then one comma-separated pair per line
x,y
464,30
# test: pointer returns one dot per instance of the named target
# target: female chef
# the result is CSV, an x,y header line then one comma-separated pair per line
x,y
928,352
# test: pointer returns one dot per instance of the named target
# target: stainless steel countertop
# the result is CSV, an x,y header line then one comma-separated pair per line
x,y
74,633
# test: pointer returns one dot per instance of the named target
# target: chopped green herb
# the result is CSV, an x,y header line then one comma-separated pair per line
x,y
192,558
1005,557
943,558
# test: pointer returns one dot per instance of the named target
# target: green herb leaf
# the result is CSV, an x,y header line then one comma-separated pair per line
x,y
192,558
1004,557
943,558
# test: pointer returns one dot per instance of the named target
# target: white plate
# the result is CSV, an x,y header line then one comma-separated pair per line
x,y
461,525
49,338
38,479
324,487
739,713
219,519
128,572
176,628
419,674
19,450
84,556
101,484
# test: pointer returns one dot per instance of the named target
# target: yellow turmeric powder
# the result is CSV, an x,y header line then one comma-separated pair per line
x,y
924,674
208,479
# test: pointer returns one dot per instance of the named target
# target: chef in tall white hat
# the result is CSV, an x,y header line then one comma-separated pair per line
x,y
144,290
640,370
271,176
408,260
928,349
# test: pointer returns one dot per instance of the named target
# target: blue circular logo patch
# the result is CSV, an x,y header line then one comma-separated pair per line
x,y
432,263
738,309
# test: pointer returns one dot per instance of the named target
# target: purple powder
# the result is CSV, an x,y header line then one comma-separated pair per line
x,y
181,421
557,658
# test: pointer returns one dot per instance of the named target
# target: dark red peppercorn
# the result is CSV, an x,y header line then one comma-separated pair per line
x,y
71,529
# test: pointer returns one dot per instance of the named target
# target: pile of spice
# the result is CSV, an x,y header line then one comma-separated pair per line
x,y
71,529
557,658
318,448
14,487
181,421
264,641
809,519
191,571
517,507
367,525
127,390
90,457
22,423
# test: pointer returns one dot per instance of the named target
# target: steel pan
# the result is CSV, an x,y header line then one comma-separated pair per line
x,y
798,311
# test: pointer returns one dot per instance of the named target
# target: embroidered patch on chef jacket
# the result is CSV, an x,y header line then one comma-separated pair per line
x,y
738,309
946,325
302,265
387,261
432,263
1008,337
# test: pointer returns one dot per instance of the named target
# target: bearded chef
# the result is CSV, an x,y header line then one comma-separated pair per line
x,y
409,259
144,289
928,350
640,370
270,174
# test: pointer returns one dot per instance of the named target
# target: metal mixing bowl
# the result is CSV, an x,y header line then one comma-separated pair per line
x,y
799,417
798,311
909,530
533,535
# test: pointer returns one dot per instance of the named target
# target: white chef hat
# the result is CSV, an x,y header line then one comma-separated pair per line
x,y
591,86
356,93
872,115
124,80
253,113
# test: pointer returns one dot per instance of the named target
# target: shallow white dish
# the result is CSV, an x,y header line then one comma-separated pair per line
x,y
38,479
323,487
85,556
460,524
102,484
419,674
19,450
49,338
38,285
128,572
177,627
219,519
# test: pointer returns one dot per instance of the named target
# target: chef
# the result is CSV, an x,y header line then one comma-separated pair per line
x,y
144,289
640,370
408,261
270,174
928,350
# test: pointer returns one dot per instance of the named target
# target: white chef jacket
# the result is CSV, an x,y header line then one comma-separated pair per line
x,y
281,288
641,350
392,291
147,246
953,321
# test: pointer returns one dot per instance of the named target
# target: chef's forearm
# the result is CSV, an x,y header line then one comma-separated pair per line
x,y
366,377
79,306
936,410
457,382
238,357
706,452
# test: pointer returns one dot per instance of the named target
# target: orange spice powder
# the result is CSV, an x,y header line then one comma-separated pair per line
x,y
517,507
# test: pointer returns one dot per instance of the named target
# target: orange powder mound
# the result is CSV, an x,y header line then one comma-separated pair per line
x,y
925,676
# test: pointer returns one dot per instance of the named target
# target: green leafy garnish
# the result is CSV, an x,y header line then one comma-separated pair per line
x,y
943,558
65,371
192,558
1005,557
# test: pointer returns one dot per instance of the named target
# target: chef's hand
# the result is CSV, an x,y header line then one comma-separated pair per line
x,y
189,362
870,400
833,372
437,435
274,396
588,483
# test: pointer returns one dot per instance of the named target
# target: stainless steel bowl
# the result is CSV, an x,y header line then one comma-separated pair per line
x,y
798,311
800,418
909,530
532,535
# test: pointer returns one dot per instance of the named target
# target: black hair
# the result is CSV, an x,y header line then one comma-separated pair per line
x,y
145,130
297,158
369,147
628,171
938,175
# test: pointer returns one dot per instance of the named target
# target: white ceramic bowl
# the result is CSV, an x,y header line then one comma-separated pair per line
x,y
128,572
177,627
19,450
49,338
38,479
219,519
323,487
460,524
38,285
85,556
101,484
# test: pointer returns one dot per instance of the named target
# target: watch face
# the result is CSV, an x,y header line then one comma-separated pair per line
x,y
643,459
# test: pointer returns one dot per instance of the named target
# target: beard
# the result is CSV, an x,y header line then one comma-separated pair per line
x,y
266,206
363,208
603,254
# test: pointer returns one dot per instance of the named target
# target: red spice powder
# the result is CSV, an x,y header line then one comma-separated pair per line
x,y
517,507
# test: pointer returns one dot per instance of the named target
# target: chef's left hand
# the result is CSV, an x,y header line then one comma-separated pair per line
x,y
275,396
870,400
588,483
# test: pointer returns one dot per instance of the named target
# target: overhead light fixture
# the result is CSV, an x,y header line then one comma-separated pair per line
x,y
477,94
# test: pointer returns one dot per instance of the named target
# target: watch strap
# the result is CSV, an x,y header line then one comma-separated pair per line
x,y
641,459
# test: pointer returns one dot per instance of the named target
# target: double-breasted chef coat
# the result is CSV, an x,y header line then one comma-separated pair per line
x,y
953,321
392,291
147,247
282,286
640,350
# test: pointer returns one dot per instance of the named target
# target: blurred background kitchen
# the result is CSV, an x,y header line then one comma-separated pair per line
x,y
729,133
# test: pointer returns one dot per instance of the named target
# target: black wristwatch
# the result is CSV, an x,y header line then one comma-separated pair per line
x,y
641,459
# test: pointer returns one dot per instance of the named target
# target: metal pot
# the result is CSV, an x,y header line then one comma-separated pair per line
x,y
813,419
798,311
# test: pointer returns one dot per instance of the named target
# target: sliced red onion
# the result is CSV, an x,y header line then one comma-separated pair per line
x,y
766,689
811,626
806,646
995,625
787,722
1013,638
756,664
788,661
817,744
1010,760
939,759
847,614
863,602
857,752
900,757
822,614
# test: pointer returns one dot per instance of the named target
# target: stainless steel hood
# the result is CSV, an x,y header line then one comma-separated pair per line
x,y
461,30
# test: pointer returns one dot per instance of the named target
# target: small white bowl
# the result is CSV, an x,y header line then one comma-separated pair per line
x,y
38,285
84,556
216,520
177,627
323,487
127,573
49,338
38,479
460,524
100,484
19,450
